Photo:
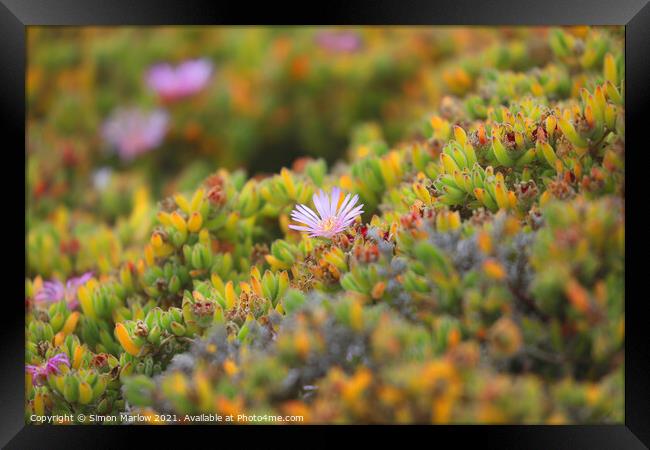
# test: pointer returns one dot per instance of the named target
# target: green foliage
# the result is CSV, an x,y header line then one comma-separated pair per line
x,y
484,282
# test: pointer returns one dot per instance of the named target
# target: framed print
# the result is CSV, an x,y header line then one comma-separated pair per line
x,y
392,217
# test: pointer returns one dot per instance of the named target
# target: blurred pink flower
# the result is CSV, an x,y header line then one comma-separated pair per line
x,y
51,366
339,41
133,132
173,83
332,218
54,291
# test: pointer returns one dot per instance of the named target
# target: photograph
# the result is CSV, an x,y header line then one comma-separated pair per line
x,y
325,225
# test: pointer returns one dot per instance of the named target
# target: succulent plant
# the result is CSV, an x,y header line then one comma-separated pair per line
x,y
483,281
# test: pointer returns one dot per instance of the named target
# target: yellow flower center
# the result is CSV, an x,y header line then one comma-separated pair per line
x,y
328,224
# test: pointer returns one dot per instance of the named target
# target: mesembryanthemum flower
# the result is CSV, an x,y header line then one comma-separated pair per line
x,y
51,366
54,291
333,215
339,41
173,83
133,132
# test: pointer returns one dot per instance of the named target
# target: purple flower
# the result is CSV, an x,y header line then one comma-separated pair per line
x,y
332,218
54,291
173,83
339,41
133,132
51,366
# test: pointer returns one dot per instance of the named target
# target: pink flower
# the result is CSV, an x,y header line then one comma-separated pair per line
x,y
341,41
54,291
51,366
133,132
333,215
173,83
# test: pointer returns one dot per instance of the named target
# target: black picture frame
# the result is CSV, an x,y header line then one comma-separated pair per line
x,y
16,15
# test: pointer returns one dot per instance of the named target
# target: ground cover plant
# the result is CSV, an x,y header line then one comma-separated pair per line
x,y
370,225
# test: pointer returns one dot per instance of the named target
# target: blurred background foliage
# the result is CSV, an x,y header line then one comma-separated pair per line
x,y
275,94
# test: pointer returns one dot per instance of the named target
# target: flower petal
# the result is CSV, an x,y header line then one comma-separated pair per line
x,y
344,204
320,202
349,206
308,212
302,218
353,214
334,200
300,228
